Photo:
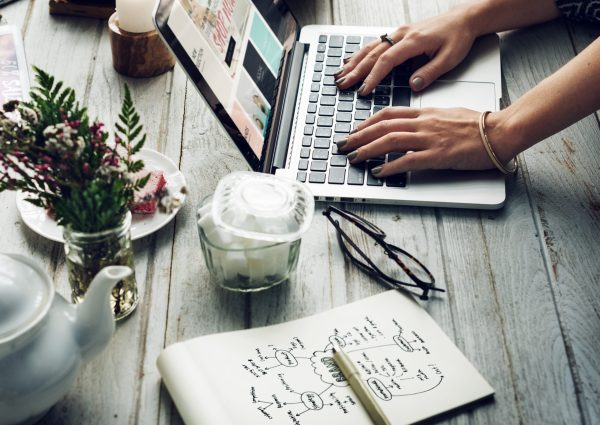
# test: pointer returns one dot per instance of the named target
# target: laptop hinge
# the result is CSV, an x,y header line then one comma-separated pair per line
x,y
284,127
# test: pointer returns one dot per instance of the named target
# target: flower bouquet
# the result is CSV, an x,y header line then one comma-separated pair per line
x,y
85,180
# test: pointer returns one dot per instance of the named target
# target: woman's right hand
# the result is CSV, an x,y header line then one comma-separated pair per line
x,y
445,39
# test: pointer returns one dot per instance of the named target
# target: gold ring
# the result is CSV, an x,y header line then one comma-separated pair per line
x,y
386,38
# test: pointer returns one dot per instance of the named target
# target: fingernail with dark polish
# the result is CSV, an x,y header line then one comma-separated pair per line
x,y
340,81
339,71
352,155
341,143
347,59
418,83
360,89
353,131
377,170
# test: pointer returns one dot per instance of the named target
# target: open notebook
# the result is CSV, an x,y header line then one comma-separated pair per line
x,y
284,374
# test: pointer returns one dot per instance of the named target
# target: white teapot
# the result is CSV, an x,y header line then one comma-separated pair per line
x,y
43,338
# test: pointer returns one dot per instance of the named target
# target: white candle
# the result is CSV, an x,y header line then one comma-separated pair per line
x,y
135,15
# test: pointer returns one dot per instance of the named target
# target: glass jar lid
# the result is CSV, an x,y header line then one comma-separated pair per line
x,y
262,206
25,295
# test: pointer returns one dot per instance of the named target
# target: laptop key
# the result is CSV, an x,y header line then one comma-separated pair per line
x,y
401,96
339,137
320,57
306,141
337,62
322,38
331,70
338,161
310,119
316,178
317,77
305,153
334,53
318,67
329,80
308,130
321,48
328,100
336,41
326,111
342,127
346,96
395,155
371,179
398,180
367,40
318,165
323,132
356,175
322,143
353,39
362,115
381,100
337,175
301,176
345,106
303,164
315,87
313,97
329,90
377,109
352,48
325,122
343,117
312,108
382,90
363,104
320,154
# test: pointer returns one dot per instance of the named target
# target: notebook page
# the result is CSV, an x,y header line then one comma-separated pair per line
x,y
284,374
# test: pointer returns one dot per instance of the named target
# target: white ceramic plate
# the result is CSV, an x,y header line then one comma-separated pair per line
x,y
142,225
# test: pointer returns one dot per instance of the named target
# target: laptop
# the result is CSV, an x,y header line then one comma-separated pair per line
x,y
271,85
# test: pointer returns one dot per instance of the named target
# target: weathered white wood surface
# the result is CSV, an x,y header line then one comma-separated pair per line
x,y
523,282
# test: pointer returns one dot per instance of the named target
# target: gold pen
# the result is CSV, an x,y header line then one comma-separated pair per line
x,y
352,375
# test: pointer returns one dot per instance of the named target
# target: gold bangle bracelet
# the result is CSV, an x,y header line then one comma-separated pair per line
x,y
505,169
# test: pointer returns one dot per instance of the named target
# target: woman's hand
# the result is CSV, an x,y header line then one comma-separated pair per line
x,y
445,39
436,138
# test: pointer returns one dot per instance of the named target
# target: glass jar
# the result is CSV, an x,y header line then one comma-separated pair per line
x,y
88,253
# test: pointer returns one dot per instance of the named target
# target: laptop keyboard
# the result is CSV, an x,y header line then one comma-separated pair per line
x,y
332,114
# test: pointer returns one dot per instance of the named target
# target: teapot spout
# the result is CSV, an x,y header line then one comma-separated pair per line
x,y
94,324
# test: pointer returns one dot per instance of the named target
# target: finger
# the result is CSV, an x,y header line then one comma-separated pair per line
x,y
428,73
412,161
399,53
374,132
353,75
392,142
389,113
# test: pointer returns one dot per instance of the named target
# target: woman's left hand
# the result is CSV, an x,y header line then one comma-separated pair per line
x,y
436,139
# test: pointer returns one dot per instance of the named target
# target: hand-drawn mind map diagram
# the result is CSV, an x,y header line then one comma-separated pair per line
x,y
399,366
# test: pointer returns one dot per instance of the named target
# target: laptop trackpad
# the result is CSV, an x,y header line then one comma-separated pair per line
x,y
449,94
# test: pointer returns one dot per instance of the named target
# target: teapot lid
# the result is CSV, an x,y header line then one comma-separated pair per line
x,y
25,295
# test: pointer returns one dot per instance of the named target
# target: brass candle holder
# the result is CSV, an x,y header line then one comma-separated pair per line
x,y
138,54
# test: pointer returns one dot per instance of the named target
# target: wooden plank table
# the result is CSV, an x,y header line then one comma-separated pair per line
x,y
523,300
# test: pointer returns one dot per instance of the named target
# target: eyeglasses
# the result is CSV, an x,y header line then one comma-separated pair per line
x,y
419,274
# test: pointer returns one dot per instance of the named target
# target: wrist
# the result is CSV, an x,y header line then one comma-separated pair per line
x,y
504,135
474,17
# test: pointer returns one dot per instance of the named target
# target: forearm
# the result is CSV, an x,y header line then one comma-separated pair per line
x,y
557,102
488,16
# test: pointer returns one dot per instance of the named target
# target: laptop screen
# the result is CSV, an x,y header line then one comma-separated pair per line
x,y
233,51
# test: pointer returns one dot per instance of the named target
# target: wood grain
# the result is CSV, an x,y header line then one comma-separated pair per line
x,y
522,282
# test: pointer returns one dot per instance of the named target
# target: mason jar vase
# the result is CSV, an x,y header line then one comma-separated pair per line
x,y
88,253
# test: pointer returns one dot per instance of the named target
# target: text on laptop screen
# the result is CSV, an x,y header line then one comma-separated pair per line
x,y
237,46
